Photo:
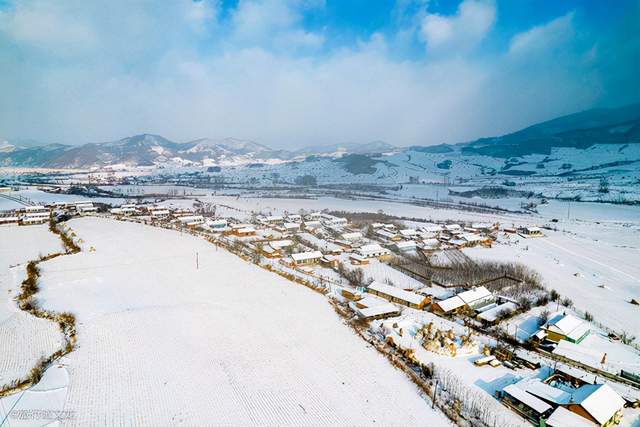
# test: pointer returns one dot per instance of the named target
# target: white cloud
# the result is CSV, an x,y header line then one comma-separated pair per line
x,y
459,32
543,38
183,71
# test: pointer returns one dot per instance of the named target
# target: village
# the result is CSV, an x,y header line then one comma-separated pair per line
x,y
485,329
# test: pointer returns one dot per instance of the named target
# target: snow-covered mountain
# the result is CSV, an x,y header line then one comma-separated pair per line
x,y
507,154
148,149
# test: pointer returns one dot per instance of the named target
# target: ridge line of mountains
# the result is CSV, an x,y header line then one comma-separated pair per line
x,y
580,131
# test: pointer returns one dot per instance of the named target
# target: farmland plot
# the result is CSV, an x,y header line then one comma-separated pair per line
x,y
163,341
23,338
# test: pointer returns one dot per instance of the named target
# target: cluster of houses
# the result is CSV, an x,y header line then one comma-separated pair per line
x,y
40,214
433,236
488,308
564,400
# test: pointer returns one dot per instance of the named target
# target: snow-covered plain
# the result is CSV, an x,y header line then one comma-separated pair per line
x,y
23,338
162,342
598,273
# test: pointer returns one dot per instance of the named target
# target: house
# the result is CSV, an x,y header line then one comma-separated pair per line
x,y
406,246
294,218
279,244
530,232
9,219
477,298
483,226
471,239
269,251
598,403
399,296
382,311
331,220
160,213
408,233
453,228
431,228
358,259
305,258
429,244
35,215
493,315
526,404
191,220
448,306
386,234
566,327
356,235
291,226
244,231
329,261
273,219
217,224
373,250
563,417
311,225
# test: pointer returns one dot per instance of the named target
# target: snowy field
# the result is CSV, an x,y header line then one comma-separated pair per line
x,y
23,338
599,274
162,342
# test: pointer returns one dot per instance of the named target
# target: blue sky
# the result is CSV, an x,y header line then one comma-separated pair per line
x,y
301,72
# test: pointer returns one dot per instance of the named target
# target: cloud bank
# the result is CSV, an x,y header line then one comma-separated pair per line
x,y
76,71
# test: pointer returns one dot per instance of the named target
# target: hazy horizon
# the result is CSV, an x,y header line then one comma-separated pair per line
x,y
296,73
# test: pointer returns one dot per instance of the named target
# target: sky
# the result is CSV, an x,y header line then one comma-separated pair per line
x,y
293,73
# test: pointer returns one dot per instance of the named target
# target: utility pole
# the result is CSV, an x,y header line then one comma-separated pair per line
x,y
435,391
197,263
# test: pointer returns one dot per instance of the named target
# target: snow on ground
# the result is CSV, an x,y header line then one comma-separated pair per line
x,y
161,342
23,338
600,276
381,272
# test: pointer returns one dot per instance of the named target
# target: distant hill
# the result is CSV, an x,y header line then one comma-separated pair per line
x,y
579,130
148,149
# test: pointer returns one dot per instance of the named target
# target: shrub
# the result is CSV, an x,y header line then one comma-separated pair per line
x,y
567,302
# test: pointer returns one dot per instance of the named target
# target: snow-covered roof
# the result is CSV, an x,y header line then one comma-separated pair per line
x,y
569,326
371,301
470,237
406,245
492,314
562,417
473,295
431,228
385,233
599,400
291,225
408,232
450,303
277,244
451,227
352,236
531,401
430,242
481,225
396,292
378,310
191,218
372,249
544,391
301,256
